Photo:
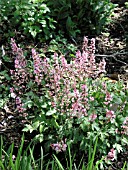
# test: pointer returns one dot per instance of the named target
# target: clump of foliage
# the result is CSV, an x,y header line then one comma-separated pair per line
x,y
4,78
43,20
32,18
68,103
87,17
61,46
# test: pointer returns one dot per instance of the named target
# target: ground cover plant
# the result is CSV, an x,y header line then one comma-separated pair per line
x,y
70,103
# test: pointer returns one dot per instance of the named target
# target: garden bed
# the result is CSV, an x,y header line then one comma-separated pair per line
x,y
112,46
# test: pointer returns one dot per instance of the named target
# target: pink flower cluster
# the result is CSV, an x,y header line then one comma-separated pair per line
x,y
110,114
59,147
92,117
111,155
67,81
37,67
19,105
19,75
125,127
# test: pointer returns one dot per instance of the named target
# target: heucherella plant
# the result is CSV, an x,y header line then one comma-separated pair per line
x,y
69,102
20,75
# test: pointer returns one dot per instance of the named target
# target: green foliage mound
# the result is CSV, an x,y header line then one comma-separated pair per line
x,y
27,17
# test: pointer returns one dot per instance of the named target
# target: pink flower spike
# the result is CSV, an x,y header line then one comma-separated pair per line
x,y
78,54
63,61
92,98
92,117
110,114
83,87
111,155
108,97
85,40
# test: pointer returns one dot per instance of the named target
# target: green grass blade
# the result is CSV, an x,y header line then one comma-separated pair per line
x,y
70,158
42,160
29,163
23,163
123,166
19,155
6,157
94,152
97,163
80,162
90,152
11,164
32,157
90,164
53,165
83,167
58,163
2,166
1,146
47,167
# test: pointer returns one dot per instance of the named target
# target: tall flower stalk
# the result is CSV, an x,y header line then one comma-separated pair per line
x,y
19,75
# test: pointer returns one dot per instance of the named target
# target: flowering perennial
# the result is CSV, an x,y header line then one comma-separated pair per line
x,y
67,86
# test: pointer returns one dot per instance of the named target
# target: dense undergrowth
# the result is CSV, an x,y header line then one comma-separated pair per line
x,y
44,19
77,117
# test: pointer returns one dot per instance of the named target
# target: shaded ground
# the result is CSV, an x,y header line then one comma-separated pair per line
x,y
113,47
116,44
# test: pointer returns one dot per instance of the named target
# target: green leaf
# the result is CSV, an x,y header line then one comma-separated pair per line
x,y
33,31
43,22
35,125
51,112
44,105
118,100
28,128
40,137
124,141
29,104
118,147
84,125
44,8
41,128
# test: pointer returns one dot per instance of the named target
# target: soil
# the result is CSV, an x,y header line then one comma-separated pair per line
x,y
113,46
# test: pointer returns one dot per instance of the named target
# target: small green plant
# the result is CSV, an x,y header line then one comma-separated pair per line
x,y
36,20
24,158
61,46
126,4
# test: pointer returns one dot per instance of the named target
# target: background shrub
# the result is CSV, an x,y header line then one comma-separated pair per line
x,y
88,17
29,17
38,18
